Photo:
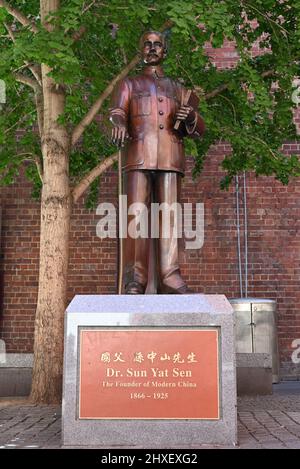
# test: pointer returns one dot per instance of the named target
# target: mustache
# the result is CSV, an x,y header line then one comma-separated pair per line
x,y
150,55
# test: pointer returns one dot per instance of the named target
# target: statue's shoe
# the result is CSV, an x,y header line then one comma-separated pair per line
x,y
134,288
183,290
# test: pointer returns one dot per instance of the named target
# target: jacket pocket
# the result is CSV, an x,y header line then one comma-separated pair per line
x,y
172,104
135,153
141,104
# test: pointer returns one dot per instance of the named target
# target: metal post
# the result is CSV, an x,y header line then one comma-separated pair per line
x,y
246,236
238,232
120,277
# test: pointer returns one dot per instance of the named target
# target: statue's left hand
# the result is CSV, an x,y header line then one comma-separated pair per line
x,y
185,113
118,135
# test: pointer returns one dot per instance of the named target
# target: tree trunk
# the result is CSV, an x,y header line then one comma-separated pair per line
x,y
54,247
54,241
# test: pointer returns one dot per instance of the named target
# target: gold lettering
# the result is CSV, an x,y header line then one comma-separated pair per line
x,y
186,384
182,373
136,373
158,373
110,372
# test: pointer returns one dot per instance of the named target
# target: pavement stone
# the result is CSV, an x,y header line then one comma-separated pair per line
x,y
269,422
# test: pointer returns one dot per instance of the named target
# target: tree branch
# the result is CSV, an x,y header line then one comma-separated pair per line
x,y
89,117
91,114
39,103
39,168
36,86
27,81
216,91
224,86
38,96
19,16
82,186
270,20
266,145
19,121
88,7
268,73
35,69
10,32
36,72
36,160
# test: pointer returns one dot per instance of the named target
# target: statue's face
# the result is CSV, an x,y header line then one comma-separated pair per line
x,y
153,49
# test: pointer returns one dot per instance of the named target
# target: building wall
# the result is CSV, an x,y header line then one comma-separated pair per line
x,y
273,250
273,245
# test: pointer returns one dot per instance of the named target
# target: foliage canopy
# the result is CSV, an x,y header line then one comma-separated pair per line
x,y
249,106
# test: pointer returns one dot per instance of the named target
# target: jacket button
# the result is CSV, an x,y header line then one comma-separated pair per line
x,y
161,113
161,126
160,99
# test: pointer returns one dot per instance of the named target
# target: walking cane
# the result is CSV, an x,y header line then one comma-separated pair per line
x,y
120,277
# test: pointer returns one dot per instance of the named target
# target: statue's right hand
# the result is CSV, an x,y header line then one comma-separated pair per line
x,y
118,135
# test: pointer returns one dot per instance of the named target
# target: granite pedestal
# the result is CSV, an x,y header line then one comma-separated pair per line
x,y
182,314
254,374
15,374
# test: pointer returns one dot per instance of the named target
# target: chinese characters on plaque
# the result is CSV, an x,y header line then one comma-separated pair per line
x,y
138,357
149,374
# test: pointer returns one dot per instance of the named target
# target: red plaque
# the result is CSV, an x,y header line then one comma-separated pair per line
x,y
149,374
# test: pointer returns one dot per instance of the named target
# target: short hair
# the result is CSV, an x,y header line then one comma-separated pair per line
x,y
161,35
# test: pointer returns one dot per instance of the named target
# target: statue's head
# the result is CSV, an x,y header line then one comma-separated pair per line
x,y
153,47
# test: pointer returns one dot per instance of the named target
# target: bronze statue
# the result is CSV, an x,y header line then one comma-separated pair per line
x,y
153,113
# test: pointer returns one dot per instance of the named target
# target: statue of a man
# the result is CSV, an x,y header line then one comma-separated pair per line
x,y
144,110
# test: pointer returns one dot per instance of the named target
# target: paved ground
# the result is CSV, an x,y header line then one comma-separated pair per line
x,y
263,422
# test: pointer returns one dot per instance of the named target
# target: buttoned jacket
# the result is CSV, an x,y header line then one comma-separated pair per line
x,y
146,105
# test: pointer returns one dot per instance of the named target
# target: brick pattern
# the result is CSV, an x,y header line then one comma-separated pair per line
x,y
273,245
273,250
30,427
263,422
19,255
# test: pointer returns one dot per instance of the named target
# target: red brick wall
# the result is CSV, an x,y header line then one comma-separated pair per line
x,y
273,244
19,255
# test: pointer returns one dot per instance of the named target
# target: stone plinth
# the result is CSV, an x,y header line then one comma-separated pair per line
x,y
254,374
15,374
149,371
